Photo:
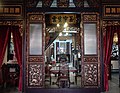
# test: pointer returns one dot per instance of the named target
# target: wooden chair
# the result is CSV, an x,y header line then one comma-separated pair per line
x,y
10,74
47,74
63,77
77,74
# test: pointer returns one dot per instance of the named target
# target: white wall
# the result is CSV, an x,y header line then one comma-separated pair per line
x,y
5,57
115,64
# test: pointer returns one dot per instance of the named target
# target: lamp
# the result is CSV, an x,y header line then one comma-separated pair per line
x,y
115,38
62,28
65,25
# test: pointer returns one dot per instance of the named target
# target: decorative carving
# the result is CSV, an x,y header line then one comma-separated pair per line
x,y
90,67
90,74
93,3
35,75
63,3
35,17
47,3
32,3
111,10
11,10
35,59
109,23
14,23
62,18
90,59
89,17
35,63
79,3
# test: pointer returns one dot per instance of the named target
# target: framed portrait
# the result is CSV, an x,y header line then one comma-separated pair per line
x,y
35,45
90,39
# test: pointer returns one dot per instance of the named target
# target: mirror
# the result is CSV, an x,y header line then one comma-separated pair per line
x,y
35,39
90,39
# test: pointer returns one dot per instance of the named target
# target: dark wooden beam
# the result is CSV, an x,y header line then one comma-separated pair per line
x,y
64,90
63,10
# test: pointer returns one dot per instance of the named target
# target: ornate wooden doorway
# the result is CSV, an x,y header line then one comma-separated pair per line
x,y
35,72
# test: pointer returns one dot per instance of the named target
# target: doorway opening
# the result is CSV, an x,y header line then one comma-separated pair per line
x,y
12,57
111,56
62,48
114,63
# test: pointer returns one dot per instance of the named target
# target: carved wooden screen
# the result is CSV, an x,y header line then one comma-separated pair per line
x,y
90,46
35,50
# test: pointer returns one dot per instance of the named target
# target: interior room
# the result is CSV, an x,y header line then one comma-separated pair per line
x,y
63,36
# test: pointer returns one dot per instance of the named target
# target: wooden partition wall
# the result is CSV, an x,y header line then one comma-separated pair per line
x,y
90,46
35,50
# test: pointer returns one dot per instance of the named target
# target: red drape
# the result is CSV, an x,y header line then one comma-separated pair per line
x,y
17,39
108,41
4,33
118,32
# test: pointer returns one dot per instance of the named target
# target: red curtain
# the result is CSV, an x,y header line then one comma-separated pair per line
x,y
108,41
118,32
4,33
17,39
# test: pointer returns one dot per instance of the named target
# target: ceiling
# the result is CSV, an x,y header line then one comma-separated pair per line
x,y
54,3
73,0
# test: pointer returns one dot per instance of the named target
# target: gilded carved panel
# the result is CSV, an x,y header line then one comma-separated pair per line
x,y
35,63
109,23
14,23
36,59
111,11
47,3
11,10
90,62
90,74
31,3
92,17
79,3
90,59
35,17
63,3
35,75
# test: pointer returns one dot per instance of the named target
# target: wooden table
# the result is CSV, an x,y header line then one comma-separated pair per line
x,y
55,70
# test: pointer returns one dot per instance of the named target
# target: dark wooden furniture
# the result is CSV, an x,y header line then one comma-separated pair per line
x,y
47,73
64,76
10,74
56,70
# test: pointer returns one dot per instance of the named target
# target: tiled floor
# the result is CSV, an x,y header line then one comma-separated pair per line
x,y
72,80
9,90
113,86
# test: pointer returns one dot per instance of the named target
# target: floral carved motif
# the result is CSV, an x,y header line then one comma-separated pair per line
x,y
89,17
35,59
36,17
31,3
90,74
109,23
47,3
78,3
63,3
90,59
14,23
35,75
